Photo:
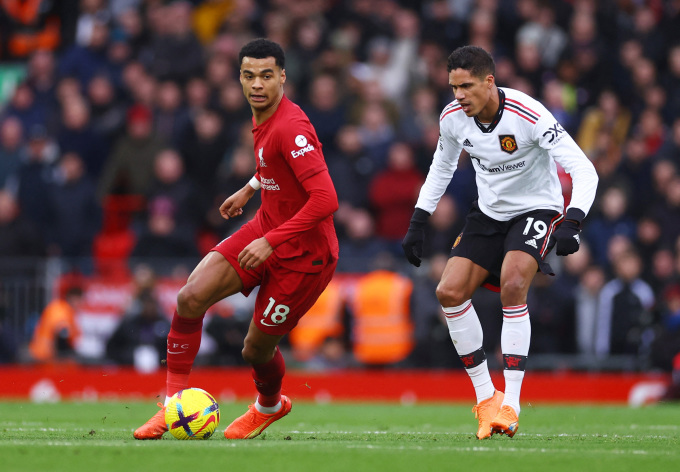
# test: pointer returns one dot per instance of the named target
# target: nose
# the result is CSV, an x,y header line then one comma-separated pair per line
x,y
257,83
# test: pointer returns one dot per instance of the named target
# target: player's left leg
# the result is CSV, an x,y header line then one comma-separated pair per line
x,y
284,297
517,272
268,368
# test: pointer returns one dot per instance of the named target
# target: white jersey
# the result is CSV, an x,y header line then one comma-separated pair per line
x,y
514,159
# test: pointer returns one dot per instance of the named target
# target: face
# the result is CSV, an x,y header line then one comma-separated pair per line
x,y
262,82
472,93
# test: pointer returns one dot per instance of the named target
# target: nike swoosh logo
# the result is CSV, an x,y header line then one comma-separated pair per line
x,y
267,324
176,352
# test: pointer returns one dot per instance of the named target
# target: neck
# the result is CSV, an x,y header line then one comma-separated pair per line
x,y
489,111
263,115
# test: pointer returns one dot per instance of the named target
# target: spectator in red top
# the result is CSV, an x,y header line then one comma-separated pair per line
x,y
393,193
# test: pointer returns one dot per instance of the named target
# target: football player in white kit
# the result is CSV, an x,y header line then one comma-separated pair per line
x,y
514,143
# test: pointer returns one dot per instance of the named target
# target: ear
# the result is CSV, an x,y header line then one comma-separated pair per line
x,y
283,76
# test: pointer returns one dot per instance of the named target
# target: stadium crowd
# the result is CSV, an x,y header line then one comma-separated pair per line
x,y
135,106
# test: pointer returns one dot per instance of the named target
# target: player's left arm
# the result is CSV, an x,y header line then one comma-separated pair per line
x,y
322,202
564,150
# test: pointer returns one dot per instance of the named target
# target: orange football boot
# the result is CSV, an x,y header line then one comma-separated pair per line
x,y
155,427
485,411
506,421
252,423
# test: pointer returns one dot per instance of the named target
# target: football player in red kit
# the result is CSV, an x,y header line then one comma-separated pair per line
x,y
289,249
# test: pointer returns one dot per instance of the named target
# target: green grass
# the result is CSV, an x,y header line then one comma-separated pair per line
x,y
344,437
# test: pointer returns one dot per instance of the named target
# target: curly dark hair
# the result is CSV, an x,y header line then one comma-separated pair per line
x,y
260,48
473,59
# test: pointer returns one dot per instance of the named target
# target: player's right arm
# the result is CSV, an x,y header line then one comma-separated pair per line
x,y
233,205
444,164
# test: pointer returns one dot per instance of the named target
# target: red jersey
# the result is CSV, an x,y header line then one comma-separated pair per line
x,y
287,153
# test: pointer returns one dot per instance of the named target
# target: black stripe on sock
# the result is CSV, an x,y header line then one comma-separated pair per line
x,y
474,358
514,362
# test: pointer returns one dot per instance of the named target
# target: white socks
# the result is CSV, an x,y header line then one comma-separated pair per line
x,y
267,410
515,340
467,336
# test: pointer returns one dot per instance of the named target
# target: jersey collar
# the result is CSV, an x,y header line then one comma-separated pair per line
x,y
497,117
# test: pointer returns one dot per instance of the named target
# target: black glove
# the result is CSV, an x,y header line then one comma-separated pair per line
x,y
413,241
566,237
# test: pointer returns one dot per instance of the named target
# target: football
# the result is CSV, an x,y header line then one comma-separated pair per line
x,y
192,413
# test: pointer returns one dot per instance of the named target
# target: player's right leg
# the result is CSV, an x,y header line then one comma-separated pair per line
x,y
212,280
460,279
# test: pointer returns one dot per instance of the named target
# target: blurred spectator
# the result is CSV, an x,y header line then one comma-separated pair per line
x,y
77,135
544,33
171,185
19,237
393,193
552,320
171,120
358,245
668,211
74,214
141,336
667,344
636,168
91,12
36,175
240,170
11,139
84,62
443,227
24,107
228,333
57,332
173,38
161,243
129,169
326,110
351,168
26,27
107,113
41,76
608,116
624,316
587,307
204,149
382,331
421,111
612,220
433,347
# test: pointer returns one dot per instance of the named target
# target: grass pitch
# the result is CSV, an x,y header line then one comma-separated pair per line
x,y
344,437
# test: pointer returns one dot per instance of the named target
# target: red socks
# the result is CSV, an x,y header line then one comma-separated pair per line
x,y
184,339
268,378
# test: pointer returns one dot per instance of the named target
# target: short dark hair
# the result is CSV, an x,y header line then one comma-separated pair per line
x,y
261,48
473,59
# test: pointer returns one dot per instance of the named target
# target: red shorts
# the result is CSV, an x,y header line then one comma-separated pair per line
x,y
285,295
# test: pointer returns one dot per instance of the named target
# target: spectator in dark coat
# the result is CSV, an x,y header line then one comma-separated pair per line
x,y
75,215
143,327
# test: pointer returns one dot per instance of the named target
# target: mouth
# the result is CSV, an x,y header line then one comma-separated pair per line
x,y
466,107
258,98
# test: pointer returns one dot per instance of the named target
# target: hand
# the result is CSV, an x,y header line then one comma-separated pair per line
x,y
413,241
413,245
233,206
566,238
255,254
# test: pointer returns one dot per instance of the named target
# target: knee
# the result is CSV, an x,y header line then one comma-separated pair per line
x,y
254,354
451,296
189,302
514,291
